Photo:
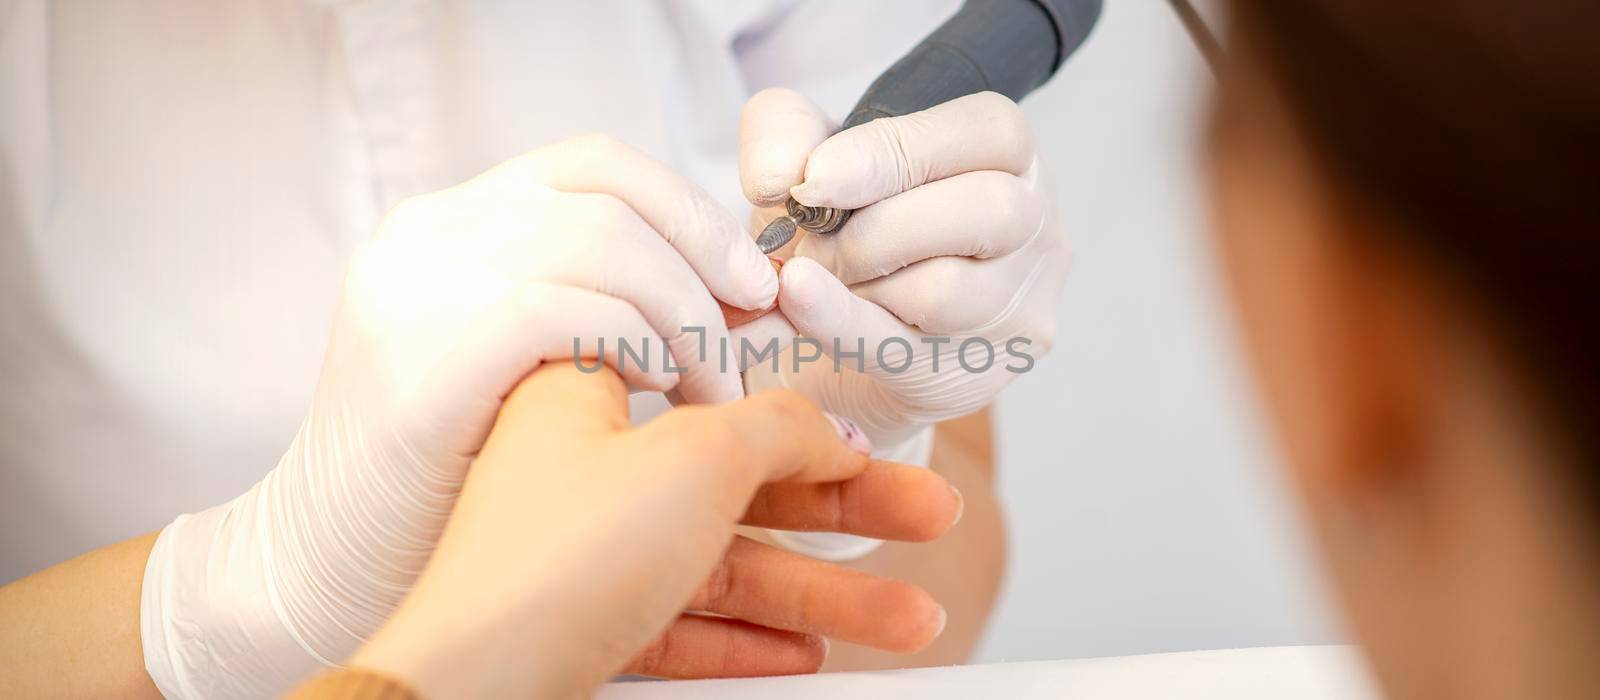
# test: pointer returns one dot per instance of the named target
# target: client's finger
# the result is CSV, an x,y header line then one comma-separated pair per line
x,y
888,501
695,646
561,397
780,589
775,435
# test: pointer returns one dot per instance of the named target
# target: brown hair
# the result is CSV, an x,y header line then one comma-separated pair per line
x,y
1474,127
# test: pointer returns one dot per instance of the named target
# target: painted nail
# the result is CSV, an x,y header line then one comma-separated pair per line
x,y
850,433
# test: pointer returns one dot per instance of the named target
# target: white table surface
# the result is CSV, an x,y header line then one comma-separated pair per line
x,y
1303,673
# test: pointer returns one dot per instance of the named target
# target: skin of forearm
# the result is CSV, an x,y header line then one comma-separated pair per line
x,y
962,569
72,630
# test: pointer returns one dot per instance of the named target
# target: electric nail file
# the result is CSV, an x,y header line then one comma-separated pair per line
x,y
1007,46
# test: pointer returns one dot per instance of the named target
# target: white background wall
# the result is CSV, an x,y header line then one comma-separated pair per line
x,y
1146,512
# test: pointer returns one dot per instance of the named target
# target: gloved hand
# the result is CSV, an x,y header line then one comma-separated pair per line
x,y
460,294
946,276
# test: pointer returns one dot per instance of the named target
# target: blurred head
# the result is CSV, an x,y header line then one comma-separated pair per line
x,y
1407,200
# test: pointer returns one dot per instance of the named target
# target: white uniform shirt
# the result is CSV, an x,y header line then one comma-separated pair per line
x,y
182,183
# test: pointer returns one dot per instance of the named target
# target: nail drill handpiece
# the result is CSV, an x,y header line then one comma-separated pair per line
x,y
1008,46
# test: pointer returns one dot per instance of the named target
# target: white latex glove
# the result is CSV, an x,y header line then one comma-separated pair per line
x,y
461,294
953,237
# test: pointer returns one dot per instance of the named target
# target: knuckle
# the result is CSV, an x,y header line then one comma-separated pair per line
x,y
722,586
654,655
788,405
939,297
772,97
1005,117
1007,194
680,419
701,430
998,108
365,266
855,150
891,134
600,144
409,205
837,510
716,435
1005,202
409,209
679,313
1043,333
605,214
942,278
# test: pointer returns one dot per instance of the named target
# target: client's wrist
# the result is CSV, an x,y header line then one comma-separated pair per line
x,y
442,651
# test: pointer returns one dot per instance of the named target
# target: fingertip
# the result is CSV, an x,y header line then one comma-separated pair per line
x,y
822,190
778,128
767,183
803,287
756,288
776,652
907,503
815,301
920,621
942,509
842,172
807,193
767,283
816,652
789,654
937,619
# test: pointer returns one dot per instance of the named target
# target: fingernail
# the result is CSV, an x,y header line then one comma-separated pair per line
x,y
850,433
961,506
944,617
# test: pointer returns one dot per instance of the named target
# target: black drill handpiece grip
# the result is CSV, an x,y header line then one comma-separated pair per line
x,y
1005,46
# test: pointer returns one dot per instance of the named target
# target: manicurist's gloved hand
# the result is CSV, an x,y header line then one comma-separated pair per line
x,y
578,542
459,295
945,279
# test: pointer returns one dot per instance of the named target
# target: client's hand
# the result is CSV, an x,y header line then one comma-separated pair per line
x,y
460,294
578,543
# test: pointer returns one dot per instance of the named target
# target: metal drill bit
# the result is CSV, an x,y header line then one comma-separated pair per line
x,y
813,219
776,234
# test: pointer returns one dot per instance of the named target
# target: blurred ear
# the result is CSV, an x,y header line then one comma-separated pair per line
x,y
1344,330
1390,329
